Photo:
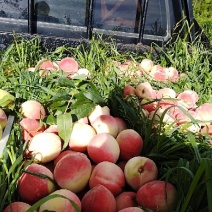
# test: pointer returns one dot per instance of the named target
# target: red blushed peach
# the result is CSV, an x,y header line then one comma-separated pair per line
x,y
81,135
165,93
32,109
68,65
30,128
125,199
17,206
149,104
145,90
99,198
105,124
3,118
130,144
129,90
157,196
69,202
73,171
52,129
132,209
109,175
103,147
140,170
62,154
121,124
32,187
45,147
97,112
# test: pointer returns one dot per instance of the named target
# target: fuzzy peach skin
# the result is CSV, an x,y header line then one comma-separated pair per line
x,y
3,118
146,65
132,209
103,147
106,124
68,202
99,198
45,147
73,171
80,137
32,187
158,196
109,175
128,90
17,207
125,199
33,109
62,154
98,110
130,144
140,170
204,112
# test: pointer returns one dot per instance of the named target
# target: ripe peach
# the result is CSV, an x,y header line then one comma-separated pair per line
x,y
125,199
121,124
32,109
81,135
62,154
148,104
73,171
106,124
146,65
140,170
172,74
158,196
145,90
99,110
35,183
68,65
166,93
30,128
128,90
69,202
103,147
109,175
17,206
204,112
45,146
52,129
132,209
98,198
3,118
130,144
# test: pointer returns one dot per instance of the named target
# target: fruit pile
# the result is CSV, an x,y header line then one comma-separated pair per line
x,y
101,169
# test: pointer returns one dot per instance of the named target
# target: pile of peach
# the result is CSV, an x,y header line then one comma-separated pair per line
x,y
102,169
180,110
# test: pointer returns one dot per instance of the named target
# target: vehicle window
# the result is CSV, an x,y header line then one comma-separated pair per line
x,y
124,15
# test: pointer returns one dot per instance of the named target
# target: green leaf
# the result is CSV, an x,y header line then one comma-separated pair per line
x,y
64,123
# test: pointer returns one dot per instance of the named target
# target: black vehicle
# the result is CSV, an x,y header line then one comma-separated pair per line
x,y
70,22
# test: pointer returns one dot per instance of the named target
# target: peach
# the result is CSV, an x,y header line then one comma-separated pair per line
x,y
172,74
130,144
109,175
128,90
62,154
98,198
132,209
17,206
45,146
207,129
158,73
125,199
67,201
32,109
121,124
30,128
3,118
80,137
73,171
103,147
83,120
204,112
145,90
106,124
140,170
166,93
68,65
98,110
36,180
148,104
158,196
52,129
188,99
146,65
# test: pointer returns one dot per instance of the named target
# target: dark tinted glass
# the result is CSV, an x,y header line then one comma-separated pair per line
x,y
124,15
